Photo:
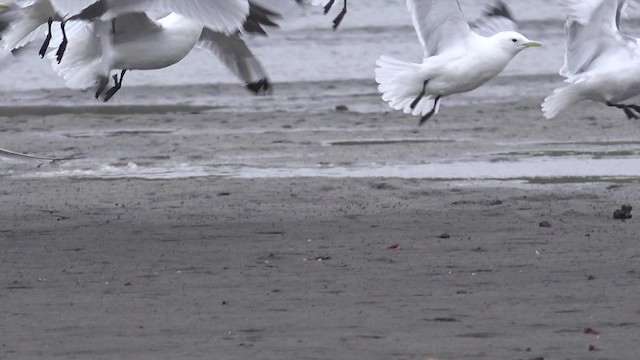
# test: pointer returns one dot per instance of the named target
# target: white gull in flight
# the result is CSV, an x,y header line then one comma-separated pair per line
x,y
132,40
456,59
601,62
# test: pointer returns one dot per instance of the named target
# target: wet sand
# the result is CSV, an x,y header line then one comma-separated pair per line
x,y
232,267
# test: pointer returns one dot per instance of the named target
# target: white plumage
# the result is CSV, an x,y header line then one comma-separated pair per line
x,y
136,42
100,41
456,59
219,15
601,62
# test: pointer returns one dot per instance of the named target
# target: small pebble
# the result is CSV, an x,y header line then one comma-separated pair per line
x,y
444,236
342,108
623,213
545,224
592,331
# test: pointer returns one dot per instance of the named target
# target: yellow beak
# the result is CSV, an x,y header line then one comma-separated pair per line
x,y
533,44
3,6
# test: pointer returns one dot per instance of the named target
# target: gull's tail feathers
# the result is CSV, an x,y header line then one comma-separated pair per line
x,y
560,99
86,62
24,24
400,84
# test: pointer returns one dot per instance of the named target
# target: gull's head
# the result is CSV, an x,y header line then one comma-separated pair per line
x,y
513,41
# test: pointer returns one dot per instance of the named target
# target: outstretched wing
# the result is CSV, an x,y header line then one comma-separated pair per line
x,y
237,57
21,23
495,18
593,36
221,15
70,7
439,24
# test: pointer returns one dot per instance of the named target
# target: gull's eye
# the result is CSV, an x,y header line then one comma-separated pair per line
x,y
514,40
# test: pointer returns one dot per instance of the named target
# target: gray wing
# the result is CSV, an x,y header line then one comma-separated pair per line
x,y
133,23
220,15
593,36
439,24
495,18
23,22
237,57
259,18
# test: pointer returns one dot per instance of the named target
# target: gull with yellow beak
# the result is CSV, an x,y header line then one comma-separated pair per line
x,y
456,59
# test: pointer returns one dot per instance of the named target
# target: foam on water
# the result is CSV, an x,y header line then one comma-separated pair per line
x,y
550,168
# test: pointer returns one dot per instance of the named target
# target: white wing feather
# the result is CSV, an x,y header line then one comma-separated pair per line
x,y
439,24
70,7
89,59
219,15
593,36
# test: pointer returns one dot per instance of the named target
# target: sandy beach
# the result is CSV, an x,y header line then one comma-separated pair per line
x,y
301,269
315,267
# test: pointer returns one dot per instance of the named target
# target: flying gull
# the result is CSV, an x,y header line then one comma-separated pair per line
x,y
601,62
135,41
456,59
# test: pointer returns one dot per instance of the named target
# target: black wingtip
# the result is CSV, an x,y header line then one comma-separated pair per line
x,y
91,12
260,17
499,9
259,87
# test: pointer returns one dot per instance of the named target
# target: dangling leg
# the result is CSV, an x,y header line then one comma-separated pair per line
x,y
63,45
328,6
47,40
422,93
104,81
116,87
433,110
340,16
626,109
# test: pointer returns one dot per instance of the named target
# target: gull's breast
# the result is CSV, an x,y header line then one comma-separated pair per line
x,y
156,49
466,73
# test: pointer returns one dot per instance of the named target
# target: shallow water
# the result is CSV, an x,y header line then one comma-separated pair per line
x,y
172,123
576,170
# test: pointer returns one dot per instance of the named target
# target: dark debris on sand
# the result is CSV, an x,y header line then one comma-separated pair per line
x,y
623,213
